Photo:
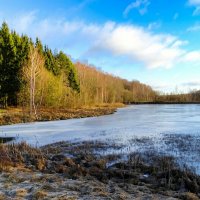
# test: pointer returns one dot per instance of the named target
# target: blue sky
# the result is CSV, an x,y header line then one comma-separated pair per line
x,y
154,41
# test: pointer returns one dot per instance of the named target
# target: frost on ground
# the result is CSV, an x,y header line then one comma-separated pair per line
x,y
87,170
35,185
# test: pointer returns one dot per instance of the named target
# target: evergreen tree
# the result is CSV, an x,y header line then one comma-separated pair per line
x,y
39,46
22,45
9,83
65,64
50,62
14,55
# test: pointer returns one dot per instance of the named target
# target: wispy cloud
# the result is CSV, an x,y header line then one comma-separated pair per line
x,y
162,86
77,8
154,25
192,56
140,5
194,84
196,4
85,2
194,28
180,87
135,43
23,21
196,11
176,15
189,86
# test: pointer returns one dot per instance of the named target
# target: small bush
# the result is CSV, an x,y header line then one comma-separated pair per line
x,y
190,196
39,194
22,154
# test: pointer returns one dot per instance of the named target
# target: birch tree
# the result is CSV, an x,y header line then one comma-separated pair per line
x,y
31,71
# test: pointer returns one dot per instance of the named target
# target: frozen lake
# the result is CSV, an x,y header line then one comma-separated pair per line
x,y
121,127
164,129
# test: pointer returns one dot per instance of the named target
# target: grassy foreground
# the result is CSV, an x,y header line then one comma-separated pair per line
x,y
81,171
20,115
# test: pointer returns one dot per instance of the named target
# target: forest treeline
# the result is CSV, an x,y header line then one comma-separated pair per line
x,y
190,97
32,75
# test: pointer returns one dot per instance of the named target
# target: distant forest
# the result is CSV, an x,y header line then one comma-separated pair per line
x,y
34,76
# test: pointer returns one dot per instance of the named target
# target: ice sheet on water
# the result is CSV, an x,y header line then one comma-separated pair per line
x,y
123,127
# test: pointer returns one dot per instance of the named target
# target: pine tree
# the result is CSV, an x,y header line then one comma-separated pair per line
x,y
50,62
9,83
39,46
65,64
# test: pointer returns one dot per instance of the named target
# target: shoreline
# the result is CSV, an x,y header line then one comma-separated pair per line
x,y
16,115
163,103
11,116
78,171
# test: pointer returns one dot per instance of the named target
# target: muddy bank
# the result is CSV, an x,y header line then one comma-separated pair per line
x,y
18,115
6,139
87,171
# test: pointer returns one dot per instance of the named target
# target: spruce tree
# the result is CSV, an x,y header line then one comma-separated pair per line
x,y
65,64
50,61
9,83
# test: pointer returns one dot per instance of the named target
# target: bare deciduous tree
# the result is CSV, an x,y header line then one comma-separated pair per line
x,y
31,72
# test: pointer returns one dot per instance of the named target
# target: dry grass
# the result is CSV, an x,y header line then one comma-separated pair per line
x,y
2,196
190,196
15,115
104,105
163,174
39,194
21,192
20,155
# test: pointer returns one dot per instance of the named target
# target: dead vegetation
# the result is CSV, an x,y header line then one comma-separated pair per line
x,y
94,173
20,155
14,116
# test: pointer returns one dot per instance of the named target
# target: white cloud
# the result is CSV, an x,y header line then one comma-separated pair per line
x,y
163,86
192,56
189,86
180,87
135,43
194,28
154,25
176,15
196,4
24,21
79,6
140,5
196,11
140,45
195,84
